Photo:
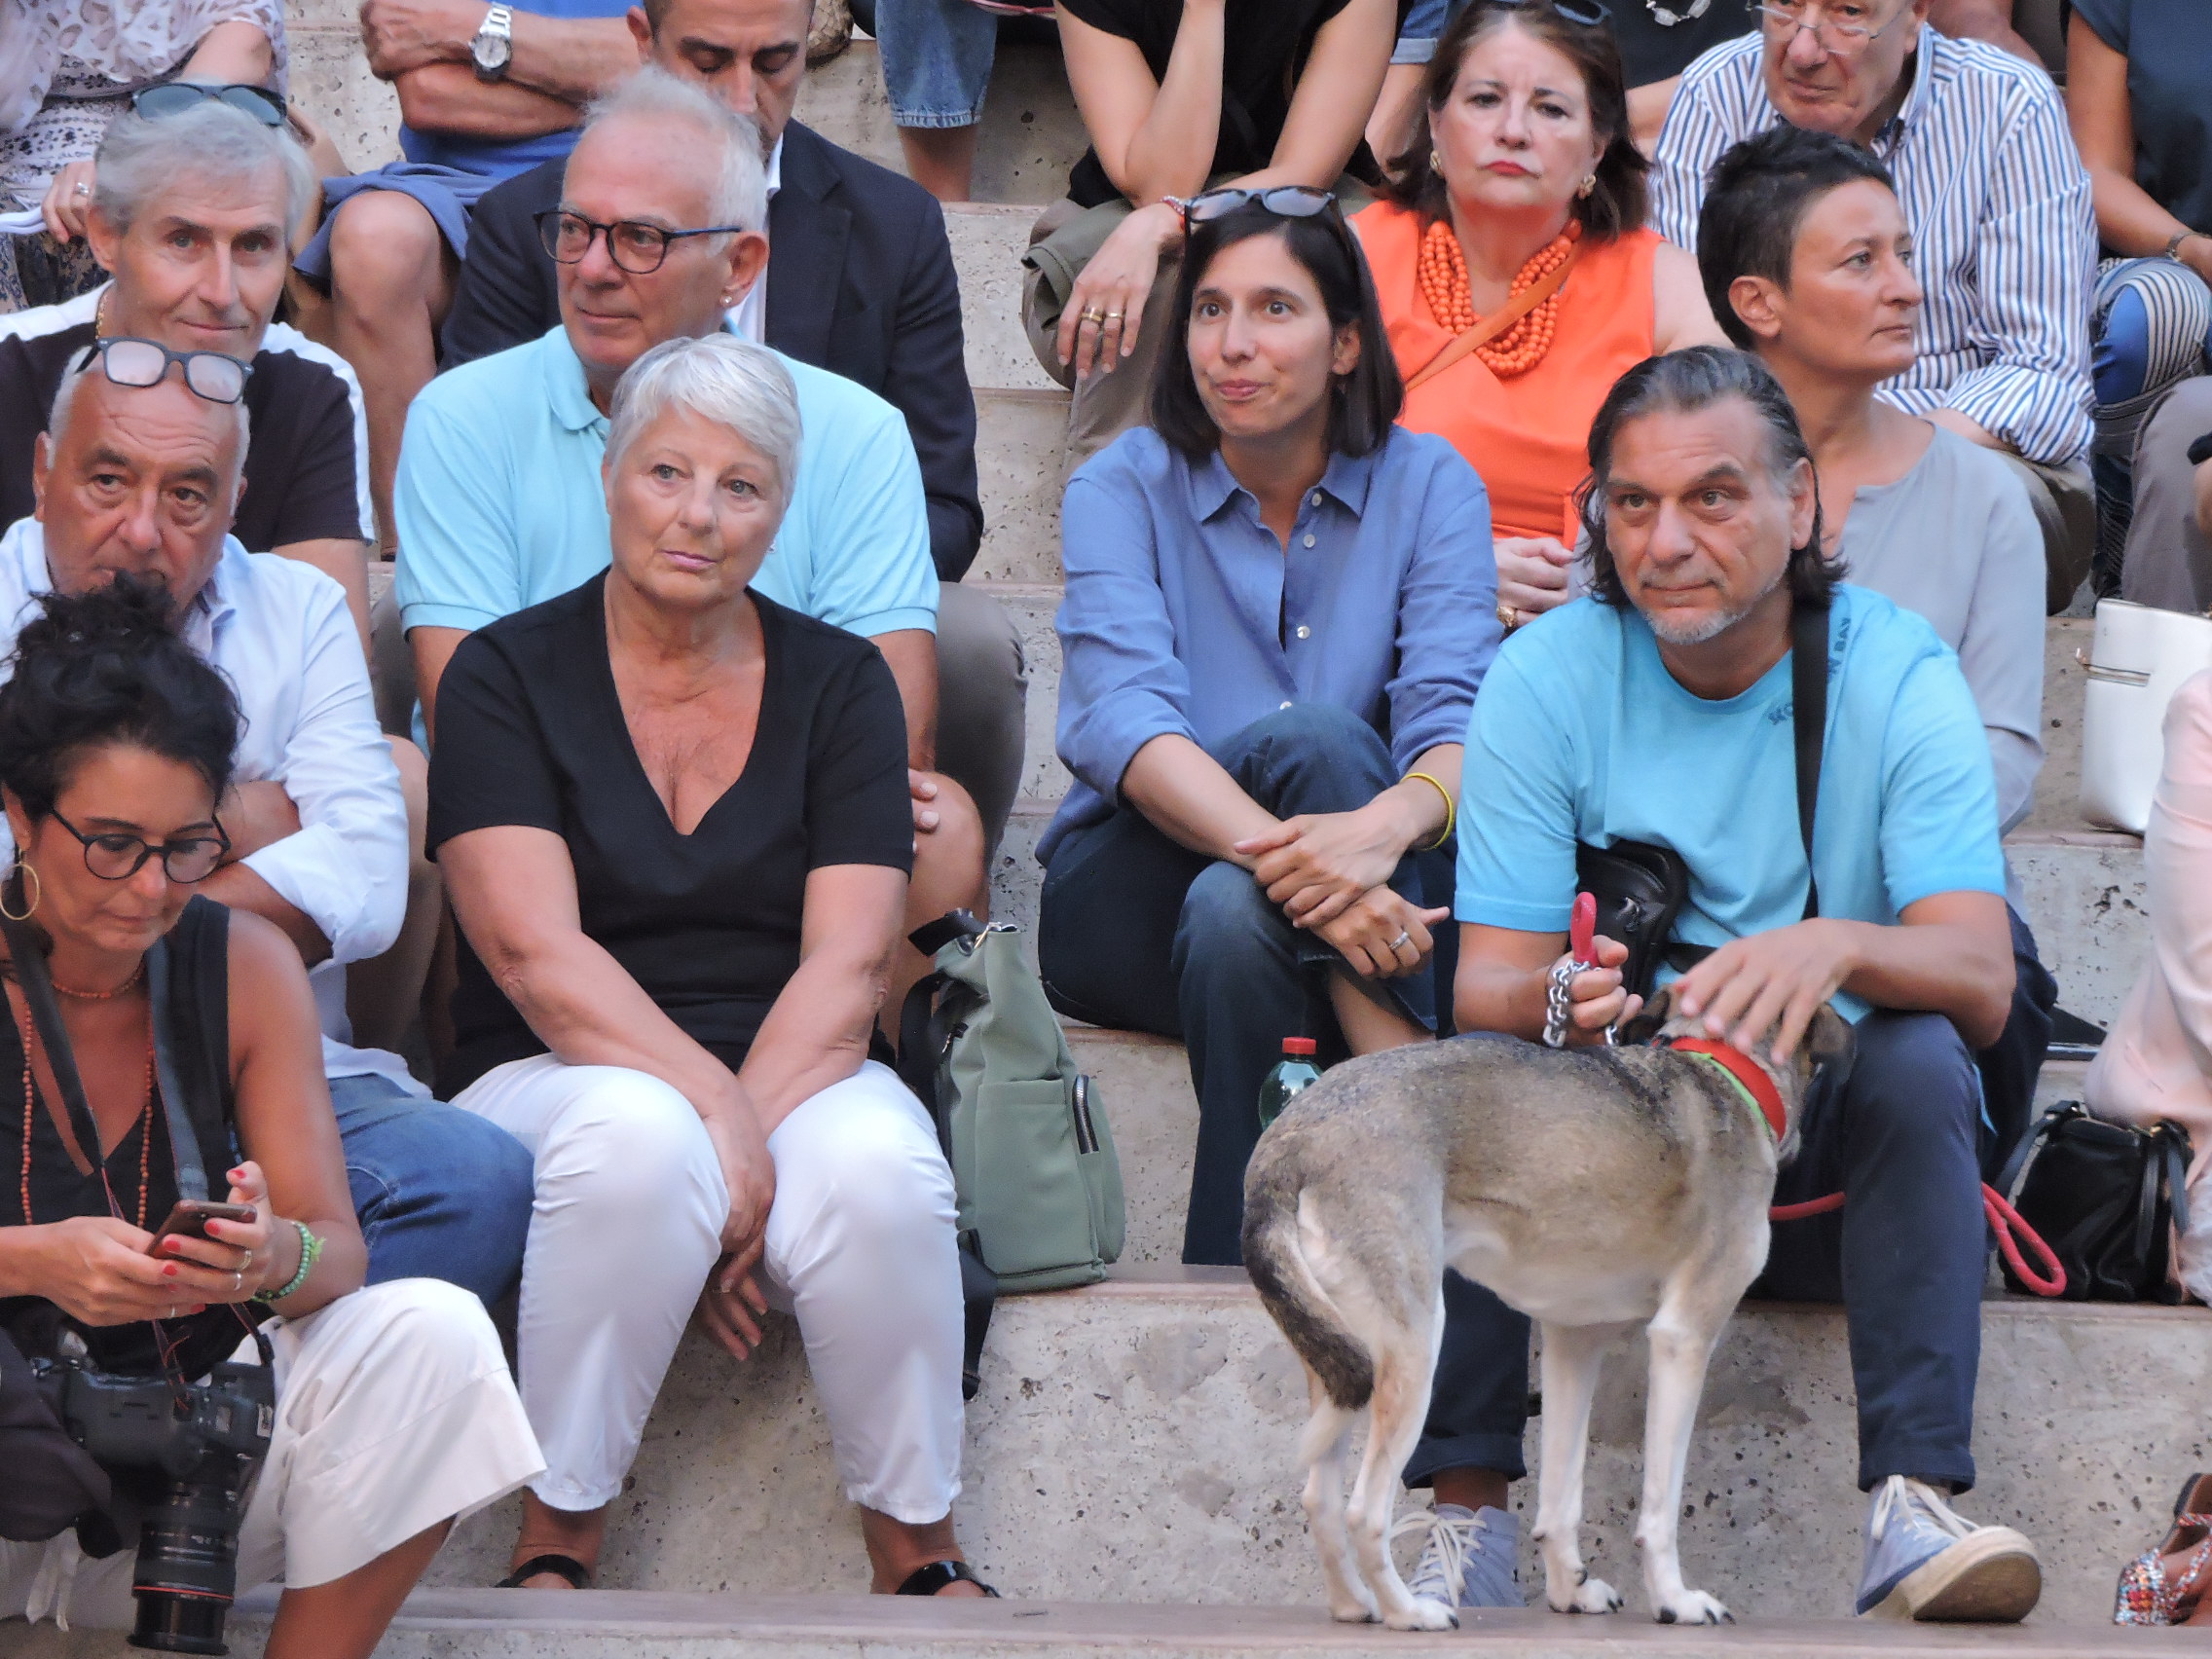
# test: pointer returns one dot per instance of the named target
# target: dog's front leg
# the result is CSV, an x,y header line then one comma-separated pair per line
x,y
1682,1336
1572,1358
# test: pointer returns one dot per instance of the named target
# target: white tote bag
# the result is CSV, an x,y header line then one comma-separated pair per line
x,y
2137,661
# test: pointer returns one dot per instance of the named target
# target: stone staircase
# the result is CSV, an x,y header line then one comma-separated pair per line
x,y
1130,1474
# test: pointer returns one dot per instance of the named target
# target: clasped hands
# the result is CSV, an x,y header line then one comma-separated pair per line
x,y
731,1303
1329,873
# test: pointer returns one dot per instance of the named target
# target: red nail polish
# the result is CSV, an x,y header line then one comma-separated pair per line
x,y
170,1272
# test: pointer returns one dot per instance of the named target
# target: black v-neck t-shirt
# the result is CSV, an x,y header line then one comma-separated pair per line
x,y
531,732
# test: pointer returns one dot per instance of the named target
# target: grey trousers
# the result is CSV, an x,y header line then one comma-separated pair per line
x,y
982,695
2168,561
2065,503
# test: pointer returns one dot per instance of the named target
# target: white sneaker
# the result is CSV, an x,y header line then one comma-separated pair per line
x,y
1470,1558
1924,1561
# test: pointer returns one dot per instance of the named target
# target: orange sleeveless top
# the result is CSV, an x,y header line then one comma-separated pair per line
x,y
1528,437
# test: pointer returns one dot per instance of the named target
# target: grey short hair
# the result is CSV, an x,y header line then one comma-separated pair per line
x,y
719,377
140,160
65,400
740,193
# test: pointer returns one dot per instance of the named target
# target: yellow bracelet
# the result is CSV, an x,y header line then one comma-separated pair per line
x,y
1450,810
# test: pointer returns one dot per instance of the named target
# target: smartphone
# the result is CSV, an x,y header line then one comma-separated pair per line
x,y
190,1219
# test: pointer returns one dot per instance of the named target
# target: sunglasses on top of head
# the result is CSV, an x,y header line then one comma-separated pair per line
x,y
129,361
174,97
1283,201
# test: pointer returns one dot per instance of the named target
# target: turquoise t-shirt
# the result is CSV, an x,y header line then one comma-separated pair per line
x,y
500,505
1581,734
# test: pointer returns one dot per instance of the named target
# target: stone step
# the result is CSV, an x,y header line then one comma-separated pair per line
x,y
1021,469
1135,1442
988,241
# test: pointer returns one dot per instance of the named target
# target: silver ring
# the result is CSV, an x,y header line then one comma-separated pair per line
x,y
82,189
1405,936
238,1281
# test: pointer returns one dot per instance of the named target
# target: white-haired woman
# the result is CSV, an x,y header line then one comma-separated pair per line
x,y
673,822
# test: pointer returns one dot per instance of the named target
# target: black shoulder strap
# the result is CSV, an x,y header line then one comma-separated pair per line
x,y
1809,720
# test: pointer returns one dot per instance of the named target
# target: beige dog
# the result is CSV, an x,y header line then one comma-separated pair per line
x,y
1595,1190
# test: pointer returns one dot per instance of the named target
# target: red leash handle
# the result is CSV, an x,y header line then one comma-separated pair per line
x,y
2003,1219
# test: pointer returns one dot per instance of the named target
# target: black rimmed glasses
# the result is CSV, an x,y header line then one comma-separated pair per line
x,y
174,97
113,854
1839,28
633,244
127,360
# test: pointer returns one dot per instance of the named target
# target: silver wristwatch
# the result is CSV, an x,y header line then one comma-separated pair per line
x,y
494,47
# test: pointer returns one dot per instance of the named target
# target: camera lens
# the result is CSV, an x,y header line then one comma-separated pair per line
x,y
188,1561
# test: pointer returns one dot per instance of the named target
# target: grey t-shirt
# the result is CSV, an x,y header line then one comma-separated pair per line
x,y
1956,541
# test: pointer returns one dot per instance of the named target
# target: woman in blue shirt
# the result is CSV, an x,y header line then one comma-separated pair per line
x,y
1279,608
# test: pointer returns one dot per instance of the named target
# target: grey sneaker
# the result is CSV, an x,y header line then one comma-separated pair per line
x,y
1926,1561
1470,1558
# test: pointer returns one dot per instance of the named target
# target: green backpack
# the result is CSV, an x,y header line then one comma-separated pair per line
x,y
1039,1187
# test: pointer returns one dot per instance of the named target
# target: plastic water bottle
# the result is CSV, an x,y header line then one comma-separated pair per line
x,y
1293,1074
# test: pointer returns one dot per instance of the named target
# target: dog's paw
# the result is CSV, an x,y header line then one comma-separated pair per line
x,y
1693,1607
1424,1613
1591,1595
1358,1609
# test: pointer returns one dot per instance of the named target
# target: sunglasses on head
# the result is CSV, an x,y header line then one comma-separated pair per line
x,y
174,97
1588,12
129,361
1283,201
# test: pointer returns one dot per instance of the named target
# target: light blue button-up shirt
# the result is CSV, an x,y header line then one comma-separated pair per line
x,y
499,505
1184,614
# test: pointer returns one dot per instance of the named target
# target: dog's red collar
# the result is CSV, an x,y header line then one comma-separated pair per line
x,y
1745,1072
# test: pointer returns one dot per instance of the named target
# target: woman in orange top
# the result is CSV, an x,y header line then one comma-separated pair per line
x,y
1524,163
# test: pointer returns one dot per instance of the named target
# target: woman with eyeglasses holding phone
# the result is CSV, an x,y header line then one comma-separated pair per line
x,y
394,1411
67,73
1278,609
1515,271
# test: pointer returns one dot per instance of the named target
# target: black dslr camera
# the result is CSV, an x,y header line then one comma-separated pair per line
x,y
187,1454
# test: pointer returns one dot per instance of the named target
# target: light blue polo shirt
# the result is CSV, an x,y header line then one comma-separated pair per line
x,y
499,505
1581,734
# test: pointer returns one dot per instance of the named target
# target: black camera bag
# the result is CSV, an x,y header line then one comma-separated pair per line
x,y
2107,1197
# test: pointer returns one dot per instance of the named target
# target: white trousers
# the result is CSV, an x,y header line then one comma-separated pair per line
x,y
628,1225
394,1411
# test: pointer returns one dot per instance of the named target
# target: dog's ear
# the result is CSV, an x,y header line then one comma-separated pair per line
x,y
1651,1020
1829,1044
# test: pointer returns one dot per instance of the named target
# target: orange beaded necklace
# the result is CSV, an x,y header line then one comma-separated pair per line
x,y
1442,274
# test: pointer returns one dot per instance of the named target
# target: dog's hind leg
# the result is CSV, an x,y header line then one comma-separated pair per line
x,y
1327,1431
1572,1358
1682,1333
1405,1364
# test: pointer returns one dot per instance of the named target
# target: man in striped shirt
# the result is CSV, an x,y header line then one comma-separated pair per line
x,y
1997,200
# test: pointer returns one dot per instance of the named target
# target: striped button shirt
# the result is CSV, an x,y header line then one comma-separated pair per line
x,y
1997,203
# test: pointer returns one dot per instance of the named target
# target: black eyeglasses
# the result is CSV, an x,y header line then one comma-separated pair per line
x,y
174,97
1283,201
114,855
127,360
634,246
1588,12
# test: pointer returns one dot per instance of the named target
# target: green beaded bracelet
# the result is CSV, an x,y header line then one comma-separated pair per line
x,y
311,1252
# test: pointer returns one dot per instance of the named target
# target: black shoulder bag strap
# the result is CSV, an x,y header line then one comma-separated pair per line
x,y
45,1013
1809,723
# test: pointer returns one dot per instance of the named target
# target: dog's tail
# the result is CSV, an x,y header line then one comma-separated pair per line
x,y
1293,1297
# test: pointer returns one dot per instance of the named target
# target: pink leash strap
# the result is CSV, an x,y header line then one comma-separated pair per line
x,y
2003,1219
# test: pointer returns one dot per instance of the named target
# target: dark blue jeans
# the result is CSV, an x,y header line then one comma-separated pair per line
x,y
1140,933
440,1193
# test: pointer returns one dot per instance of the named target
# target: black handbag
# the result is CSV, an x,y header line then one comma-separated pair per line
x,y
2107,1197
1641,887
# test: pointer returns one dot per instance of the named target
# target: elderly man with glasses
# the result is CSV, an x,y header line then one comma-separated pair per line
x,y
1993,194
139,470
658,236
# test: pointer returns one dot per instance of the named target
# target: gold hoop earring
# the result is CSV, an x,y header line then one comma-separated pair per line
x,y
25,873
1435,161
1589,183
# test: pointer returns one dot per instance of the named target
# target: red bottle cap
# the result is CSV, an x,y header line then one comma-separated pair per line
x,y
1299,1044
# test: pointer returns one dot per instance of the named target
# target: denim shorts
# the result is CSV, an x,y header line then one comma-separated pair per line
x,y
1425,25
936,60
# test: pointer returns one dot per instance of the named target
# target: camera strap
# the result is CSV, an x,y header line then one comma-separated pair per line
x,y
46,1014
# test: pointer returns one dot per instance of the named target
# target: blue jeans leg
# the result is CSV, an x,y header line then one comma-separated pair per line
x,y
1906,1255
937,60
440,1193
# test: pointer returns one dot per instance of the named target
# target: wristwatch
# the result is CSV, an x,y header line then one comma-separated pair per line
x,y
495,44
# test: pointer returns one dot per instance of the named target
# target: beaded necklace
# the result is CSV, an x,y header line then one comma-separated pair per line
x,y
1442,274
29,1035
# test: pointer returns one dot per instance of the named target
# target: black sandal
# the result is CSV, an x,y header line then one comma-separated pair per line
x,y
570,1567
938,1575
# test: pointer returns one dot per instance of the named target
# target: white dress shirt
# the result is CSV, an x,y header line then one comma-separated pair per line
x,y
281,634
749,317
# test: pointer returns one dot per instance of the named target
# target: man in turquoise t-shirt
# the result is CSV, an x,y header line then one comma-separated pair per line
x,y
499,495
1660,710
